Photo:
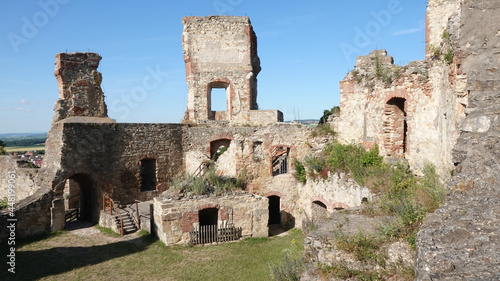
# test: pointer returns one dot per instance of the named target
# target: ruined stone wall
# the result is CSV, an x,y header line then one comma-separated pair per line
x,y
221,52
411,112
79,82
174,218
111,153
25,178
250,151
460,241
338,191
32,214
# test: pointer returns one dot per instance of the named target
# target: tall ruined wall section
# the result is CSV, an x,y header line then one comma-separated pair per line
x,y
461,240
79,82
221,52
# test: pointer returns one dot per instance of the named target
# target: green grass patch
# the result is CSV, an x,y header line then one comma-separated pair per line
x,y
66,256
107,231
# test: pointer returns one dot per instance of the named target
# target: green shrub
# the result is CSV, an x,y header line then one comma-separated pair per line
x,y
300,171
363,247
3,203
289,270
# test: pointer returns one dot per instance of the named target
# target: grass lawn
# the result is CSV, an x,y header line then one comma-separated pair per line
x,y
65,256
24,148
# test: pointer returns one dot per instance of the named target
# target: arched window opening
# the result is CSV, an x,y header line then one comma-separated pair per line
x,y
218,147
218,100
280,160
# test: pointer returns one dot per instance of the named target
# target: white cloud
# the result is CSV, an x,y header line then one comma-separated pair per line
x,y
407,31
24,101
22,109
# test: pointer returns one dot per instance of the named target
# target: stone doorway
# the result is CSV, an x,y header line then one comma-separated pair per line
x,y
395,128
209,216
81,195
274,210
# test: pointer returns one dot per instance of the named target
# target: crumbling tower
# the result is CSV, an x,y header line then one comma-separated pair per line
x,y
80,93
221,52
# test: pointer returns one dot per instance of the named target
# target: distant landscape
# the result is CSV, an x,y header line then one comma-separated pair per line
x,y
21,142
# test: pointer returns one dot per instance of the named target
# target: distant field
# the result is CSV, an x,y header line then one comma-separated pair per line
x,y
24,148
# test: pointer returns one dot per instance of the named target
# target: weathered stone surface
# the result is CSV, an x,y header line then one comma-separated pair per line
x,y
321,248
410,112
221,52
80,92
175,218
461,240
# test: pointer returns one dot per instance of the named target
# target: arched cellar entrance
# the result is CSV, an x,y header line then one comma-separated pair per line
x,y
395,128
319,210
218,147
274,210
80,198
208,216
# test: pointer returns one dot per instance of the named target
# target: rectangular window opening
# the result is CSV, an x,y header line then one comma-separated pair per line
x,y
218,99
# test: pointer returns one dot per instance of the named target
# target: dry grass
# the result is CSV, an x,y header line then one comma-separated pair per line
x,y
66,256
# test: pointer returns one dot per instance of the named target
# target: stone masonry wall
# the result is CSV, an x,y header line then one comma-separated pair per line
x,y
461,240
175,218
378,98
79,82
221,52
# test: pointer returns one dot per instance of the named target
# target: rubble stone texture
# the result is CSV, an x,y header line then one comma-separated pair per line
x,y
174,218
410,112
461,240
79,82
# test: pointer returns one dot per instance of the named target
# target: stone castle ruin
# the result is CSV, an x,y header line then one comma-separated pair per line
x,y
441,110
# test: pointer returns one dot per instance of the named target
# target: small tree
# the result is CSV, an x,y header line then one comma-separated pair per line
x,y
2,150
326,113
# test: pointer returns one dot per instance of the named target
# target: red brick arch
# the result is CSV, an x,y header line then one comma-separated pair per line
x,y
338,205
320,199
275,193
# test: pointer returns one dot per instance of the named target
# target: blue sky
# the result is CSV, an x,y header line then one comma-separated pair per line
x,y
305,47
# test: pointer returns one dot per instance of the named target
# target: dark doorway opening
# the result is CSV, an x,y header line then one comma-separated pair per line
x,y
208,216
274,210
84,198
148,174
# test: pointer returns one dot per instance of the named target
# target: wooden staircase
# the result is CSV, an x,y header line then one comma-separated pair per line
x,y
129,225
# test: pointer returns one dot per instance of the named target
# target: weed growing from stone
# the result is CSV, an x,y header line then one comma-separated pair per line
x,y
208,183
